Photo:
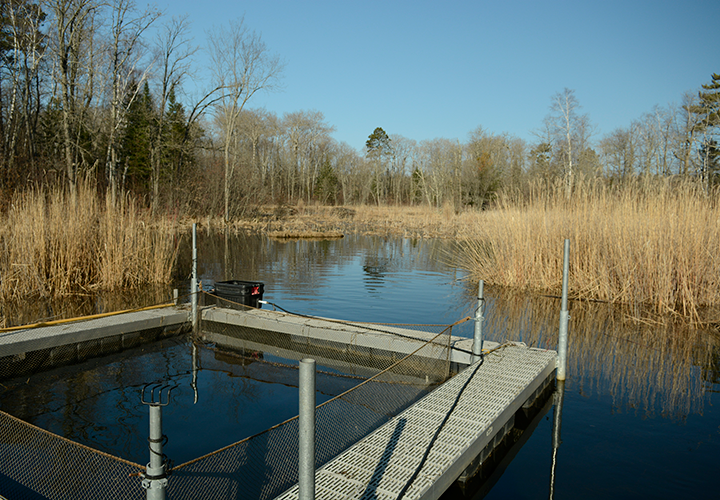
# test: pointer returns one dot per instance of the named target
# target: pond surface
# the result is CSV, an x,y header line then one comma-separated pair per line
x,y
640,416
639,419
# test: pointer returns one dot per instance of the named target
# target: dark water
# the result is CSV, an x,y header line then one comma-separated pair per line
x,y
639,418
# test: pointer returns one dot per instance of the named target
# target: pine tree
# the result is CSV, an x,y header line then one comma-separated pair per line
x,y
173,136
378,144
136,144
710,102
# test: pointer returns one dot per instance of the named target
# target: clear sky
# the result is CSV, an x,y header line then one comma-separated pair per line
x,y
430,69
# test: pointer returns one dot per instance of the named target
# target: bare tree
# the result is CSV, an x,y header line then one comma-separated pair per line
x,y
242,66
620,151
689,125
73,51
126,31
174,52
26,49
402,153
563,120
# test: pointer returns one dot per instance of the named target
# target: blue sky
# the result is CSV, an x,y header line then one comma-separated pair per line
x,y
430,69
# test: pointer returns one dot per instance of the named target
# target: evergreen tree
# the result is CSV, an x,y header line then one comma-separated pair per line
x,y
710,159
326,185
173,136
136,144
710,102
378,144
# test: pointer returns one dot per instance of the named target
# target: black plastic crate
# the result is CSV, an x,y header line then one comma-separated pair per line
x,y
247,293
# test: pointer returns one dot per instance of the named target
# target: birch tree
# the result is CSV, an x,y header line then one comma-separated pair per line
x,y
563,120
73,52
22,49
126,29
242,66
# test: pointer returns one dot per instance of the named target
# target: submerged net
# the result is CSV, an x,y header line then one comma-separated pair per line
x,y
372,372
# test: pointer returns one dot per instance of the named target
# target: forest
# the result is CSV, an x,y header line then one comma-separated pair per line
x,y
96,91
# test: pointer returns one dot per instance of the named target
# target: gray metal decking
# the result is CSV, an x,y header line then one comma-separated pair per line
x,y
379,465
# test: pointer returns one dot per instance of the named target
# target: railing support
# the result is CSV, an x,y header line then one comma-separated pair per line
x,y
478,336
306,467
156,472
564,316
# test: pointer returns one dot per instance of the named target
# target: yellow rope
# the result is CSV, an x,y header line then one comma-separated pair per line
x,y
81,318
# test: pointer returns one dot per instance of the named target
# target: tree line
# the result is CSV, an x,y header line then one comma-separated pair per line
x,y
94,91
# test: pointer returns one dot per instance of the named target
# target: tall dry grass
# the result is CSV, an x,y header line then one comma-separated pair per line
x,y
650,244
53,245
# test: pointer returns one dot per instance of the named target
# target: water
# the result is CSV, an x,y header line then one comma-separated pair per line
x,y
639,417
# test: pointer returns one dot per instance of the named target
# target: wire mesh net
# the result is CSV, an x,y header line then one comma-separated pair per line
x,y
367,373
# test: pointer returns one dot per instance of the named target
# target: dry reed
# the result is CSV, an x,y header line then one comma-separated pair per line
x,y
52,245
643,244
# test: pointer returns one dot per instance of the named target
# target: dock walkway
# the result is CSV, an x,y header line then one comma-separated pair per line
x,y
481,402
71,341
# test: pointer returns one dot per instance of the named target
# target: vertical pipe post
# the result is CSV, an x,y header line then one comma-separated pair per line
x,y
155,478
193,281
306,467
176,294
156,467
564,316
478,337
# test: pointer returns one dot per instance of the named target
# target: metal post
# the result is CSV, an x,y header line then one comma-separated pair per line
x,y
176,294
193,281
306,468
564,316
156,472
478,337
156,467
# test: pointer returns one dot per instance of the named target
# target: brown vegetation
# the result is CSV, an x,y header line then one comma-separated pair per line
x,y
649,245
54,245
644,244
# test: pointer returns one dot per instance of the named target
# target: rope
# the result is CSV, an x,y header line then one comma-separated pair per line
x,y
363,324
444,422
191,462
81,318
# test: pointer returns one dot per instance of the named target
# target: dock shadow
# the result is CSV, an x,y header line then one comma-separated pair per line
x,y
379,472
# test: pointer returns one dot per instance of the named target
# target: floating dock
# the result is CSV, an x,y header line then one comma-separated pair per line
x,y
402,452
442,438
64,342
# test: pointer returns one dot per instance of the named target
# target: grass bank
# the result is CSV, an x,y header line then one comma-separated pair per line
x,y
52,245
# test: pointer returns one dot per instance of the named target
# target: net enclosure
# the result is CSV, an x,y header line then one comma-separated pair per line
x,y
367,374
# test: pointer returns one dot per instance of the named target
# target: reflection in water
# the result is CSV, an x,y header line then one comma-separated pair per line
x,y
645,367
557,424
633,369
375,269
39,309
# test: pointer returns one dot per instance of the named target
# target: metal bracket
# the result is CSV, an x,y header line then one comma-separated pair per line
x,y
160,388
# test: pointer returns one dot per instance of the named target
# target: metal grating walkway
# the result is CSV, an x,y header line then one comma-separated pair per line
x,y
379,466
